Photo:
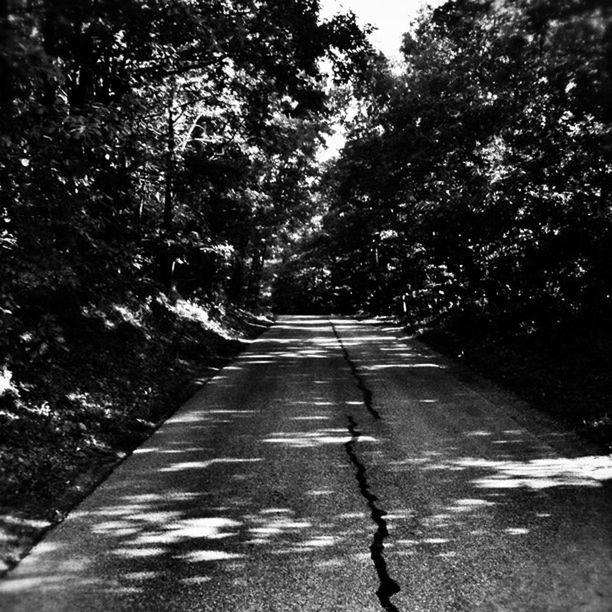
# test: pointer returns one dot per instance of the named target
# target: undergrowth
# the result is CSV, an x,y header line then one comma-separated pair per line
x,y
563,370
73,411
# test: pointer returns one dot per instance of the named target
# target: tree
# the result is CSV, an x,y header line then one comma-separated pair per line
x,y
474,185
155,144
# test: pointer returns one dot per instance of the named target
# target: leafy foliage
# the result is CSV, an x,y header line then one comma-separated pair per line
x,y
475,186
154,154
153,145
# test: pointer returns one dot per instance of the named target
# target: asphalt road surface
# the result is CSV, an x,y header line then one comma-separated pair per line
x,y
334,466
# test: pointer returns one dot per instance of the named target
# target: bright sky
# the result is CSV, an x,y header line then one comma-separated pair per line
x,y
391,17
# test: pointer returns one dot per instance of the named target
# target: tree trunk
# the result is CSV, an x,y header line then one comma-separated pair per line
x,y
6,77
167,225
169,178
377,280
6,95
235,291
257,264
49,41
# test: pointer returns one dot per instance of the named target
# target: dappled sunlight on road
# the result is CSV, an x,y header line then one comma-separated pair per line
x,y
542,473
465,484
201,465
375,368
274,472
207,496
306,439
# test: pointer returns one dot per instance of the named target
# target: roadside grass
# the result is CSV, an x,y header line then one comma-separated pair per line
x,y
567,372
70,415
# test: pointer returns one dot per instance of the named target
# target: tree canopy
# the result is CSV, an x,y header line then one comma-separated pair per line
x,y
476,183
171,145
155,145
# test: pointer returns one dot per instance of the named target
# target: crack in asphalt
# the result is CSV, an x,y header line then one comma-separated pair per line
x,y
388,587
368,399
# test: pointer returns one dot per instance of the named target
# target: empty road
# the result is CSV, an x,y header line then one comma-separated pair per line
x,y
336,467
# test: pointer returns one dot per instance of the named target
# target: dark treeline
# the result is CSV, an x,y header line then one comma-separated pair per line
x,y
168,147
158,169
154,145
155,156
475,186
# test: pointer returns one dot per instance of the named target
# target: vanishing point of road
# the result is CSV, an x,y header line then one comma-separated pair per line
x,y
336,466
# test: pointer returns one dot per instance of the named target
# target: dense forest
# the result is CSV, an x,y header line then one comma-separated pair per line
x,y
159,172
155,156
476,182
472,199
155,146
